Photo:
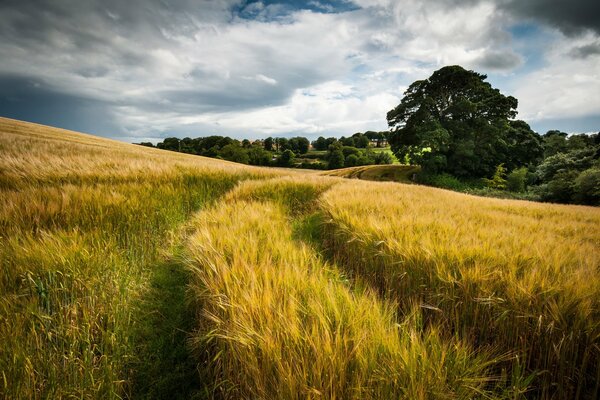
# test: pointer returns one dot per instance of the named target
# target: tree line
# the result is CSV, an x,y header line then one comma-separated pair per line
x,y
328,153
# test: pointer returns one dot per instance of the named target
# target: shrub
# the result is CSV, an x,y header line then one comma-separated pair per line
x,y
444,181
351,160
587,187
383,158
498,181
560,189
517,179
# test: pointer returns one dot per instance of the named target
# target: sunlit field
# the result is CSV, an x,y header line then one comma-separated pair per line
x,y
82,220
250,283
520,277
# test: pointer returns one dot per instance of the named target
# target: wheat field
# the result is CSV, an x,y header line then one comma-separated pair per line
x,y
293,285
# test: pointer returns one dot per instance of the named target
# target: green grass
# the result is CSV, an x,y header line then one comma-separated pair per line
x,y
164,367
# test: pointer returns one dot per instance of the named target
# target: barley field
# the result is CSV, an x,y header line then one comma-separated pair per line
x,y
129,272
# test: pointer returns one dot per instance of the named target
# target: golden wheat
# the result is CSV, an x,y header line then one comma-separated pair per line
x,y
276,322
519,275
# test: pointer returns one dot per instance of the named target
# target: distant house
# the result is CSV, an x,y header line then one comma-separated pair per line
x,y
379,142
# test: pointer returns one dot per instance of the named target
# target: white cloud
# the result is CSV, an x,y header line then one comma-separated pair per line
x,y
565,87
201,69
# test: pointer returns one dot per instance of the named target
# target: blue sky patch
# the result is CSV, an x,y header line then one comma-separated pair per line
x,y
251,9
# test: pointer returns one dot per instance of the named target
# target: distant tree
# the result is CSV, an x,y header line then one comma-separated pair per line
x,y
347,141
234,152
287,158
454,122
587,187
348,150
524,147
320,144
146,144
336,159
560,179
335,156
362,142
170,143
580,141
186,145
299,145
578,160
330,141
383,157
268,143
303,145
351,161
246,144
259,156
555,142
282,144
211,152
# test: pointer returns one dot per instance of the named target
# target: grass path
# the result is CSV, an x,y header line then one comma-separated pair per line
x,y
165,368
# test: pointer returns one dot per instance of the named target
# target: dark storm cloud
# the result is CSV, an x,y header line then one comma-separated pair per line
x,y
586,51
142,66
570,16
133,55
500,60
31,100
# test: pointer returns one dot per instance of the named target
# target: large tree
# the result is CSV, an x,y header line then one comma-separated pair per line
x,y
456,122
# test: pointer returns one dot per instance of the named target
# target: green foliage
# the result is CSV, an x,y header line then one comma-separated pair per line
x,y
259,156
498,181
557,176
347,141
299,145
348,150
351,161
560,188
320,144
587,187
517,180
383,158
282,144
555,142
465,124
361,141
235,153
268,143
444,181
287,158
336,159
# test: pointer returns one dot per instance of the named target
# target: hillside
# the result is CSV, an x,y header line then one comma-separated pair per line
x,y
140,273
380,173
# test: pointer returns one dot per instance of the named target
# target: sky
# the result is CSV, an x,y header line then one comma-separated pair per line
x,y
143,70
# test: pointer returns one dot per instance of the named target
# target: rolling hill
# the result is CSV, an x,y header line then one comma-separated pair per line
x,y
140,273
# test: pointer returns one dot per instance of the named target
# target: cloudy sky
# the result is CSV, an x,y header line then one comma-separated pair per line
x,y
146,69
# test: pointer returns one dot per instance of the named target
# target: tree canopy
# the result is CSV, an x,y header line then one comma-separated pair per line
x,y
455,122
